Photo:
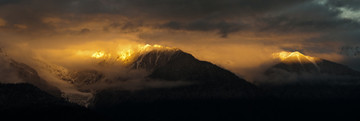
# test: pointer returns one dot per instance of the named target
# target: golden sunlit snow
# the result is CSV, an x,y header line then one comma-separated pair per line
x,y
126,55
294,57
98,54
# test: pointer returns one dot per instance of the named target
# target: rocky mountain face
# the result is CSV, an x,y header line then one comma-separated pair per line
x,y
30,75
176,65
77,78
208,81
156,58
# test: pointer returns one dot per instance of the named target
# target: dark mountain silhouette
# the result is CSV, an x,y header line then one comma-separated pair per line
x,y
304,77
321,67
176,65
208,81
217,94
213,93
299,64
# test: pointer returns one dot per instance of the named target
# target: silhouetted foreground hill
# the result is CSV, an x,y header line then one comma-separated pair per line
x,y
27,102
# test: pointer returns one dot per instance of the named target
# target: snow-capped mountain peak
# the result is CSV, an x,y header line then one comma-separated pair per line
x,y
297,58
299,63
127,56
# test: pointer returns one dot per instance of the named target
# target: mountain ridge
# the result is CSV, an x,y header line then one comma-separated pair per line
x,y
209,81
295,62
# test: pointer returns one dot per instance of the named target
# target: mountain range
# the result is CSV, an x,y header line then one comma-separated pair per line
x,y
194,83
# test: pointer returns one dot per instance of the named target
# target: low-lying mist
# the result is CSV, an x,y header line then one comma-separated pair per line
x,y
81,70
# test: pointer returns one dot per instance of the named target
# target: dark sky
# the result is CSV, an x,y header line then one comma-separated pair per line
x,y
221,31
338,17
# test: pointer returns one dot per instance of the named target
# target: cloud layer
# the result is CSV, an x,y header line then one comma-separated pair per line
x,y
226,29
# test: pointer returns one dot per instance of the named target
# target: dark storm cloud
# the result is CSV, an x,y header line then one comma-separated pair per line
x,y
4,2
223,28
307,17
355,4
190,9
124,27
30,12
180,9
27,14
222,16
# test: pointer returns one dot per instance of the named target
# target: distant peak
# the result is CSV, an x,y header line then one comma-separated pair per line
x,y
295,57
